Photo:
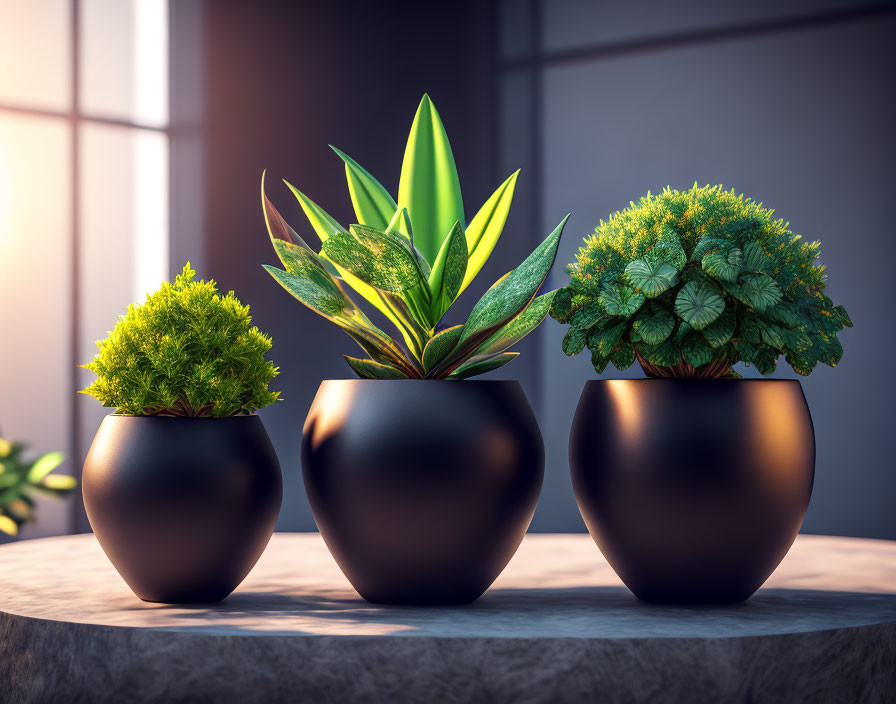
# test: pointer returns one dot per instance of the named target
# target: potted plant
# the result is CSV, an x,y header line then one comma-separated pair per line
x,y
21,479
694,482
181,485
421,488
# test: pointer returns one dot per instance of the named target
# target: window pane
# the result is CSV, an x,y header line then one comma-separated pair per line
x,y
35,53
124,60
124,234
35,293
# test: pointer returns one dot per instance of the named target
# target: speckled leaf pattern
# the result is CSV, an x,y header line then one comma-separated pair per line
x,y
587,315
373,205
469,369
619,299
440,345
519,327
698,304
368,369
381,259
486,226
429,187
651,276
574,341
514,292
448,271
313,286
307,280
325,226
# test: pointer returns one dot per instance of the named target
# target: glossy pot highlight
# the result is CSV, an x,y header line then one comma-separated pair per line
x,y
693,489
183,507
422,490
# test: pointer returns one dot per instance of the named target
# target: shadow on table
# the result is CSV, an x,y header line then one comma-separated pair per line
x,y
582,612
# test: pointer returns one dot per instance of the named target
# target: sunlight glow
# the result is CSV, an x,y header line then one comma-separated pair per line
x,y
5,195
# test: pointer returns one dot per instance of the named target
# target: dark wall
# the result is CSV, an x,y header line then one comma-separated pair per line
x,y
790,101
284,80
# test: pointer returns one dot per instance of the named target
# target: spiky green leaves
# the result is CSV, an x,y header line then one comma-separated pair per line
x,y
189,351
448,271
429,187
500,317
696,278
512,294
411,258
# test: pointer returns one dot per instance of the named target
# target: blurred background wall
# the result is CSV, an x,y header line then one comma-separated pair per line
x,y
133,134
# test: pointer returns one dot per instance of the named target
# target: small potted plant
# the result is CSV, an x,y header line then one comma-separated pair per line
x,y
694,482
181,485
21,479
422,488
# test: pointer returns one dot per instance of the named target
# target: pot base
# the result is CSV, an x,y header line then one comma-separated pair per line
x,y
693,489
422,490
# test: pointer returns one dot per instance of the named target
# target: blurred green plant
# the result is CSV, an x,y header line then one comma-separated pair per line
x,y
20,479
186,351
692,282
411,259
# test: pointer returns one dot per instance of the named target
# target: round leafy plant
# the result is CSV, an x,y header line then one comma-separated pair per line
x,y
186,351
692,282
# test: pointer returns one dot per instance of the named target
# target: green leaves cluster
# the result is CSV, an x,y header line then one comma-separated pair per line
x,y
186,351
21,479
411,259
687,278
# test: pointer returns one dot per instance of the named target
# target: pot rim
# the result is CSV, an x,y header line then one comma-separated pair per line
x,y
160,417
702,380
430,381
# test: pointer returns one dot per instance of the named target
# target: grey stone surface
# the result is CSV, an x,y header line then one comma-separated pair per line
x,y
556,626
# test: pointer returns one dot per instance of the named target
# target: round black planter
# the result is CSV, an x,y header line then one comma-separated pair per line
x,y
693,489
183,507
422,490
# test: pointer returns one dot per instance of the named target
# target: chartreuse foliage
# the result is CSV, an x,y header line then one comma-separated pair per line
x,y
20,479
186,351
692,282
411,259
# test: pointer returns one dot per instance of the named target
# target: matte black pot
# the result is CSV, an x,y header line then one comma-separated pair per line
x,y
422,490
693,489
183,507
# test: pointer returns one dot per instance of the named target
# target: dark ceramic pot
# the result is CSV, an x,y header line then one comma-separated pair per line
x,y
422,490
183,507
693,489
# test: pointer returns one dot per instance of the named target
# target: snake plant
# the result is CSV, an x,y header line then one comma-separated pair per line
x,y
692,282
411,258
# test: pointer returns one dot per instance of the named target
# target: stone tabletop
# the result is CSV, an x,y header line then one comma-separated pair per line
x,y
558,598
